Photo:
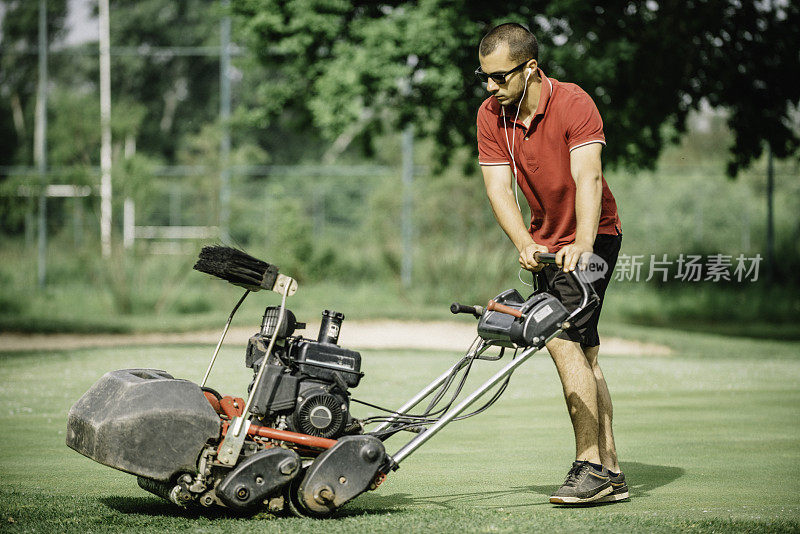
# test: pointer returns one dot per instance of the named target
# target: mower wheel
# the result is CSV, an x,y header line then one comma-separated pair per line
x,y
294,503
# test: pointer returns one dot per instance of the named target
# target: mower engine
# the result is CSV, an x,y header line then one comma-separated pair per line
x,y
172,433
305,384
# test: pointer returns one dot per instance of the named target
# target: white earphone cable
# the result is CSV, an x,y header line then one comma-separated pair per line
x,y
513,138
511,151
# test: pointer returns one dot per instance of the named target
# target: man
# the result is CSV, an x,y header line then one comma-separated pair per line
x,y
547,137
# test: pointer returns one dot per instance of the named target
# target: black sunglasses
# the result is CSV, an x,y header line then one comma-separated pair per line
x,y
498,77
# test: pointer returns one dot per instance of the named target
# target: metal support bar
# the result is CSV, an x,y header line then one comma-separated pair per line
x,y
232,444
222,338
237,426
415,443
175,232
585,297
165,52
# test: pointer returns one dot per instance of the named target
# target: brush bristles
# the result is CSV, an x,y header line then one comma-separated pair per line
x,y
236,266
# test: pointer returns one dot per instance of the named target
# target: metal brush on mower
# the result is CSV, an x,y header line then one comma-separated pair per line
x,y
293,445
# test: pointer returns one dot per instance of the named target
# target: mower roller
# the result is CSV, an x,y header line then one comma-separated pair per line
x,y
292,446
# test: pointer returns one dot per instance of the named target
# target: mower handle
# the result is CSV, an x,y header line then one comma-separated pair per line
x,y
587,291
477,311
588,294
544,257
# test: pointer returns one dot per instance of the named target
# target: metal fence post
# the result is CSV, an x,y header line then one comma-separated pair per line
x,y
770,216
41,143
407,264
105,129
128,222
224,118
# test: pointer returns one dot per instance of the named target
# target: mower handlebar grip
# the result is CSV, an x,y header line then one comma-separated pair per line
x,y
502,308
544,257
455,307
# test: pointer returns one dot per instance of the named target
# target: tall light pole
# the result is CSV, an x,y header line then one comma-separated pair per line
x,y
40,145
105,127
224,117
407,264
770,216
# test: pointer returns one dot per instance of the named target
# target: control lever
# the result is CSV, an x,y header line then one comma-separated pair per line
x,y
502,308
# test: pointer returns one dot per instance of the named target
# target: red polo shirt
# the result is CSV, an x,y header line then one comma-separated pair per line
x,y
565,119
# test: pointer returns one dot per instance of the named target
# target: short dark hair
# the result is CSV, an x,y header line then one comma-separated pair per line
x,y
522,44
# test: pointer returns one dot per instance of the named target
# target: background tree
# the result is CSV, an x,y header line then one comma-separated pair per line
x,y
178,88
19,73
354,68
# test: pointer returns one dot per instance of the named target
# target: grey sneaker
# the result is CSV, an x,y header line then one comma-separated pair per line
x,y
619,489
584,484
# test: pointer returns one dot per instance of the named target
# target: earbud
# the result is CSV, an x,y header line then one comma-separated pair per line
x,y
528,71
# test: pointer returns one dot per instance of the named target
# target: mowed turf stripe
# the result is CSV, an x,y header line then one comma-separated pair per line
x,y
701,442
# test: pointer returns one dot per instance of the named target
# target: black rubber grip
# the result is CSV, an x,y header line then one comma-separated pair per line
x,y
461,308
544,257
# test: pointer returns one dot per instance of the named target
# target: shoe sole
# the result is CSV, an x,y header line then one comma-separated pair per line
x,y
578,500
615,497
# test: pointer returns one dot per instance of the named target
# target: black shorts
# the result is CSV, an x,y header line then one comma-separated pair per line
x,y
563,286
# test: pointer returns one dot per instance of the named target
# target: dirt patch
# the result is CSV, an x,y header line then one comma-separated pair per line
x,y
382,334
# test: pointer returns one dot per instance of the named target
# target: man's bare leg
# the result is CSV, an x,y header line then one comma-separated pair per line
x,y
581,393
605,411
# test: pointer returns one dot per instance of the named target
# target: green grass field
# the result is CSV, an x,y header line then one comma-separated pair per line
x,y
709,438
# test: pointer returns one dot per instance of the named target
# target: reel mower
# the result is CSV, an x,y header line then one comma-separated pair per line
x,y
293,445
